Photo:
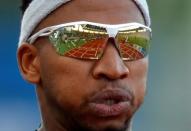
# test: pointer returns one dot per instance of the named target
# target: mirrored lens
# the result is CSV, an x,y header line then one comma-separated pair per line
x,y
80,41
134,44
87,41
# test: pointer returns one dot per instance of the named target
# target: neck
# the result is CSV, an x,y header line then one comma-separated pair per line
x,y
43,129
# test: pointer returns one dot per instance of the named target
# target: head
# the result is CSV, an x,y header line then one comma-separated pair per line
x,y
84,94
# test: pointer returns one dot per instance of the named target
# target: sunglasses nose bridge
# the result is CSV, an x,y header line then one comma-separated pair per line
x,y
112,32
114,42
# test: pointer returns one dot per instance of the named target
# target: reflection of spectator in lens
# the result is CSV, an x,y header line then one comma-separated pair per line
x,y
75,94
64,37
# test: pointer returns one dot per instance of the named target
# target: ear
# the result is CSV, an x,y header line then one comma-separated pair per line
x,y
29,64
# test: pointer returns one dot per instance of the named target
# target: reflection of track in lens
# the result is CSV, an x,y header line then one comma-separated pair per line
x,y
90,50
130,52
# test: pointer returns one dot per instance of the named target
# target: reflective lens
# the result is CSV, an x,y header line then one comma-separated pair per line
x,y
86,41
134,44
80,41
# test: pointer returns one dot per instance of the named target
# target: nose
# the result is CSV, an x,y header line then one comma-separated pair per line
x,y
110,66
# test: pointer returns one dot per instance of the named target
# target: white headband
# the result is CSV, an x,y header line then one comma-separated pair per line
x,y
39,9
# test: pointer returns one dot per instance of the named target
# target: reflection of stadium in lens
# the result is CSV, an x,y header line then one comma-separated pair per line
x,y
88,41
133,44
85,44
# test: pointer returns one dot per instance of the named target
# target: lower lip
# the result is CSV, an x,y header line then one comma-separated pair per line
x,y
103,110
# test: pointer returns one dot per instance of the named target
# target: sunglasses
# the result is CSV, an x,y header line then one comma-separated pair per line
x,y
88,40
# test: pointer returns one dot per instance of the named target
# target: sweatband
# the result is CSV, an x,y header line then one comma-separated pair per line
x,y
39,9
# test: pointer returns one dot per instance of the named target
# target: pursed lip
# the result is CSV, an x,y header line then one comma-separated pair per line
x,y
111,102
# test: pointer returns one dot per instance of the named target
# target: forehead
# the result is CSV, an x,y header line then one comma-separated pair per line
x,y
100,11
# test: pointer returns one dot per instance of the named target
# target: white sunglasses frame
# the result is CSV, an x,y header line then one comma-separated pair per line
x,y
112,30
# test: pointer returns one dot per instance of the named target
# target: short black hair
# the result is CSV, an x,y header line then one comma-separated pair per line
x,y
24,5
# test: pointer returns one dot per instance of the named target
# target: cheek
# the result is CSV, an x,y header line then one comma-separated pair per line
x,y
65,82
138,79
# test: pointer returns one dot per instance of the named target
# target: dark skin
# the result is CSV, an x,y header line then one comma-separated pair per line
x,y
65,85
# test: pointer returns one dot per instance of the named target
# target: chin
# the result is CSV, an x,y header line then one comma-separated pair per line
x,y
106,128
105,124
111,127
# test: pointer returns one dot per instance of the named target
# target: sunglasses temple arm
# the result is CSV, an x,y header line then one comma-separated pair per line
x,y
37,35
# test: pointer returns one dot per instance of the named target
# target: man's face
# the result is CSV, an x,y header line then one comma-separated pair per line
x,y
95,95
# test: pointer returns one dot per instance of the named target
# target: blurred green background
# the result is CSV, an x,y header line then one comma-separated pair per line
x,y
167,106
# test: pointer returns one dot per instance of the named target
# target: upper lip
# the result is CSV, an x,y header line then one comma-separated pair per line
x,y
112,96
